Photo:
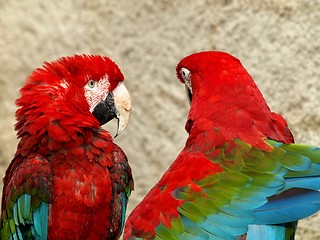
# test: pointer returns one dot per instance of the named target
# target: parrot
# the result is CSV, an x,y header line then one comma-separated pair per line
x,y
240,174
68,179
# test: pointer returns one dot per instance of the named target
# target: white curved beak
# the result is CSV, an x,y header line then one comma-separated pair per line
x,y
123,106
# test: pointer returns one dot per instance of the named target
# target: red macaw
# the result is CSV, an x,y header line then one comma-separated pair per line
x,y
239,172
68,180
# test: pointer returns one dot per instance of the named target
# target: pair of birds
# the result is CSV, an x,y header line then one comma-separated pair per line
x,y
239,176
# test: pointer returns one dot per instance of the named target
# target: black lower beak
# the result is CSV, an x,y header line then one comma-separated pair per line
x,y
105,111
189,94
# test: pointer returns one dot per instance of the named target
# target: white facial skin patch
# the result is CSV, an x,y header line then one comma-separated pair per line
x,y
96,91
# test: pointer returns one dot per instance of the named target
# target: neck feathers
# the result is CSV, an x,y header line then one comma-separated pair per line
x,y
236,110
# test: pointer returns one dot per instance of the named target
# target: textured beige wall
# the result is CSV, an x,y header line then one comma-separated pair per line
x,y
277,41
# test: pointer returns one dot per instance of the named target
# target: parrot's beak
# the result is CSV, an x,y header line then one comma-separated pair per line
x,y
123,106
116,105
189,94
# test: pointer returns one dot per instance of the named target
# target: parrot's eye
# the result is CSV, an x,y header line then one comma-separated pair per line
x,y
91,84
186,75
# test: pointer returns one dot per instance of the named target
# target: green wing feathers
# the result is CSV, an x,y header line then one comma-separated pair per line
x,y
221,206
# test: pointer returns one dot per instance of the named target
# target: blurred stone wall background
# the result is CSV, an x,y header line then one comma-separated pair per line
x,y
276,40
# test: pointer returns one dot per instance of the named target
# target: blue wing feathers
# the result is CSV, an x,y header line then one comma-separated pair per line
x,y
223,230
227,223
245,203
236,220
123,209
40,218
26,206
15,214
195,231
19,233
265,232
23,207
312,183
299,192
20,209
288,206
21,215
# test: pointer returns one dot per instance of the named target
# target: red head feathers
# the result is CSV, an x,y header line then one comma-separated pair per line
x,y
83,91
224,93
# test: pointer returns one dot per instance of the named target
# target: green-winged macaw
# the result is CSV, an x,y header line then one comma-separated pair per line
x,y
68,180
240,175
